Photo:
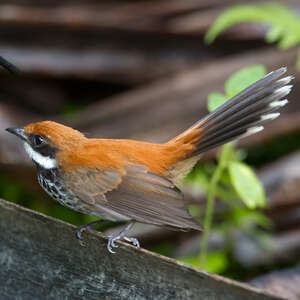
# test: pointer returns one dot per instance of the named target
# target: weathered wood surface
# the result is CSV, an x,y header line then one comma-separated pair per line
x,y
40,258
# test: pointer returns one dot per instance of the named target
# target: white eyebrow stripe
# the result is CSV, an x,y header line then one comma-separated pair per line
x,y
44,161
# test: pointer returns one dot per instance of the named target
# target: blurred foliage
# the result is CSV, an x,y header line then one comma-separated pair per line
x,y
284,23
164,248
72,108
272,150
216,262
229,181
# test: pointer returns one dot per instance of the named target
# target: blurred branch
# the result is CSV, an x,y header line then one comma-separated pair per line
x,y
284,282
8,66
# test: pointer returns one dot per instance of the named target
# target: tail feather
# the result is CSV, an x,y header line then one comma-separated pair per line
x,y
243,115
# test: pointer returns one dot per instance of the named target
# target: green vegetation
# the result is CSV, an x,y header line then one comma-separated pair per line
x,y
284,23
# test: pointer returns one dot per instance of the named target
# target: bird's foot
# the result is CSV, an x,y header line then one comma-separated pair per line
x,y
132,240
112,239
122,235
89,227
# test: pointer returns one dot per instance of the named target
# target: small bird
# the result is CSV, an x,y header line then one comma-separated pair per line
x,y
133,181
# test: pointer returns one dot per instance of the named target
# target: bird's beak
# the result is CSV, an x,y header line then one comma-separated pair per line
x,y
19,132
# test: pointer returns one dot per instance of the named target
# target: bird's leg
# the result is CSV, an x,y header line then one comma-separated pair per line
x,y
89,227
122,235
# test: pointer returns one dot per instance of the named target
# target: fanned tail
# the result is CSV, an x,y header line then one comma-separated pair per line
x,y
243,115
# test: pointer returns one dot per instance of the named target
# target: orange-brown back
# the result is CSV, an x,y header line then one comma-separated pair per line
x,y
109,153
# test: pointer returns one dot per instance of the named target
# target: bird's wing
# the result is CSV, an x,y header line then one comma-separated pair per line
x,y
150,198
91,185
137,194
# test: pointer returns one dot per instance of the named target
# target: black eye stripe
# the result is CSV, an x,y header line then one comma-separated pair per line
x,y
41,145
46,150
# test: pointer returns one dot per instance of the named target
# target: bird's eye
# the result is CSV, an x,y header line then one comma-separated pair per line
x,y
37,140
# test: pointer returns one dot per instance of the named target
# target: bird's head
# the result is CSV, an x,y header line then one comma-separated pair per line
x,y
43,140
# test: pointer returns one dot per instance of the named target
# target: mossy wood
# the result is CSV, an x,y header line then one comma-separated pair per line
x,y
40,258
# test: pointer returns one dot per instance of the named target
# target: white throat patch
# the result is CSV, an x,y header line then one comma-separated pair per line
x,y
44,161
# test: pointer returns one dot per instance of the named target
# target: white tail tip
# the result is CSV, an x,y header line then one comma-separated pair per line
x,y
270,116
279,103
285,89
251,131
286,80
255,129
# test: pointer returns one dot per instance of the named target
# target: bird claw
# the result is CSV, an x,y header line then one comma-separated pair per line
x,y
111,243
133,241
112,239
81,242
79,232
85,227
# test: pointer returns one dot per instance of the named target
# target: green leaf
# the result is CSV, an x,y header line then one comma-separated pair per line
x,y
243,78
235,15
284,23
229,18
288,40
227,154
247,185
274,14
274,34
215,100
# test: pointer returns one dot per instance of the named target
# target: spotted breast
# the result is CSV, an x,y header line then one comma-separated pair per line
x,y
51,182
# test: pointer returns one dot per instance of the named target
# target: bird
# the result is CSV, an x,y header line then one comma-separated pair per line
x,y
133,181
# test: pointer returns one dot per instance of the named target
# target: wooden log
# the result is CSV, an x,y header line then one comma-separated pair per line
x,y
40,258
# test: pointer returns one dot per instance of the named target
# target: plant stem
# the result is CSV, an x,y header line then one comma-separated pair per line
x,y
211,192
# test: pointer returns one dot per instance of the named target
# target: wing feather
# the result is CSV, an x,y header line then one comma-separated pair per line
x,y
149,198
90,185
135,193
